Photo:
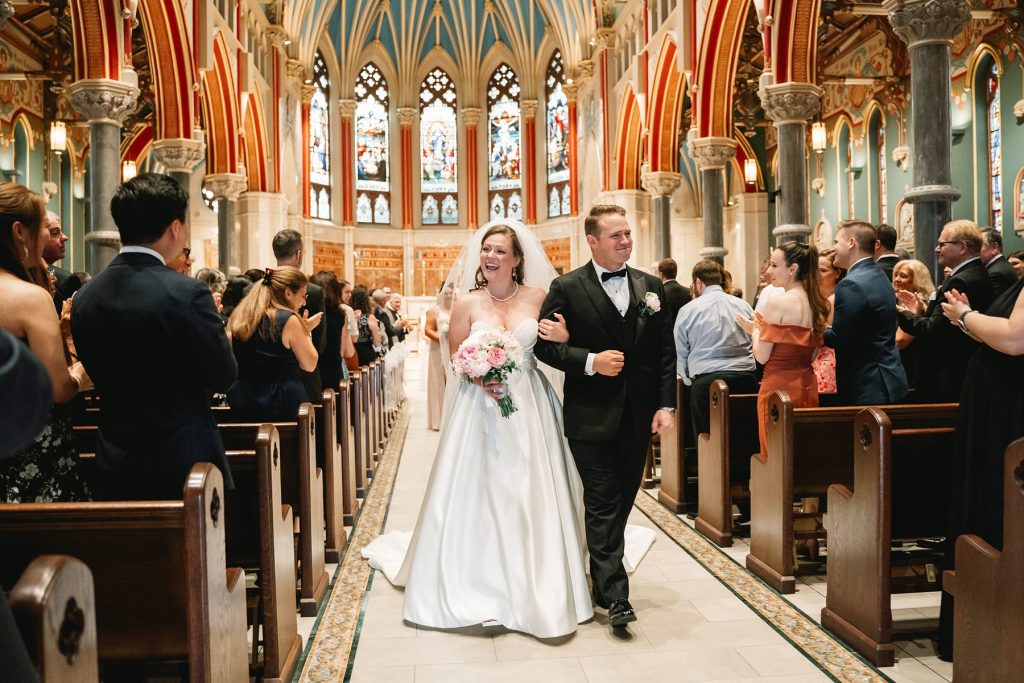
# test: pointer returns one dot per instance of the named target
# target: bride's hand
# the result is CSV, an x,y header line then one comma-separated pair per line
x,y
495,389
553,331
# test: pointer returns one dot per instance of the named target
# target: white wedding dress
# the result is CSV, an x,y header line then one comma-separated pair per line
x,y
500,536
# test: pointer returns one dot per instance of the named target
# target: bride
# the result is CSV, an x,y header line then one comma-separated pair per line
x,y
500,537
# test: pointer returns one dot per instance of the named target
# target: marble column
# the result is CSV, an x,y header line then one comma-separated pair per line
x,y
928,28
529,165
661,185
225,188
791,106
104,104
179,157
712,156
347,110
471,122
571,91
409,160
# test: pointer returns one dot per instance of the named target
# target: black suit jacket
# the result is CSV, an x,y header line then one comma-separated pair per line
x,y
152,342
945,350
863,333
887,263
314,305
389,318
1001,273
676,296
594,405
67,284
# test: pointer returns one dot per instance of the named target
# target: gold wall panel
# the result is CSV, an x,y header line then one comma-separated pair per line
x,y
432,266
559,253
329,256
379,266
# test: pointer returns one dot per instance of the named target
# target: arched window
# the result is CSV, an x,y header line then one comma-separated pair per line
x,y
320,143
373,187
439,179
877,133
559,196
505,182
994,146
850,179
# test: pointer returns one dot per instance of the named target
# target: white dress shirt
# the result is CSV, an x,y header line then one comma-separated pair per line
x,y
135,249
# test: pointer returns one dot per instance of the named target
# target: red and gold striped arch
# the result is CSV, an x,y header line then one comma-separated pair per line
x,y
629,143
256,152
220,104
96,33
170,59
716,67
796,40
665,110
135,145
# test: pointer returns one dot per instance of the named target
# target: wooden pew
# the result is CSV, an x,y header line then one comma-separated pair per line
x,y
809,449
329,459
259,536
900,490
678,467
988,585
723,460
359,437
369,431
350,503
163,590
54,606
344,505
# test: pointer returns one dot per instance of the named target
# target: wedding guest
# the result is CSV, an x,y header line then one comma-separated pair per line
x,y
213,278
253,275
83,277
370,339
331,364
26,395
47,469
233,295
436,325
272,343
766,290
380,301
912,276
676,296
1000,272
1016,259
67,283
885,248
182,262
288,250
825,362
351,324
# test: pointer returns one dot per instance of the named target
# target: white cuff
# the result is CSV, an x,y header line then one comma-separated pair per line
x,y
589,367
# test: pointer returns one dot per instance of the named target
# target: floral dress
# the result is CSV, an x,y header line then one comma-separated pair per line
x,y
48,470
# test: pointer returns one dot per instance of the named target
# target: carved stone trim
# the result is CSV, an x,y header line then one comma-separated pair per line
x,y
179,155
661,183
791,102
102,100
584,70
1018,109
606,38
932,193
308,90
794,231
528,108
277,35
407,115
226,185
713,252
922,22
104,238
6,12
711,153
347,108
571,90
295,70
471,115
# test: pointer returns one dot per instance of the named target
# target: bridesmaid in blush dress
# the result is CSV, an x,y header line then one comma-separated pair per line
x,y
434,328
788,334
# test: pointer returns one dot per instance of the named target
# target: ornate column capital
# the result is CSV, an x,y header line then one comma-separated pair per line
x,y
407,115
347,108
471,115
6,11
923,22
277,35
571,90
712,153
584,71
226,185
295,70
528,108
308,89
102,100
179,155
606,39
661,183
791,102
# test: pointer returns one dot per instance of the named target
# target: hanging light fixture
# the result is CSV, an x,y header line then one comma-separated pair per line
x,y
58,137
128,171
6,155
819,139
750,171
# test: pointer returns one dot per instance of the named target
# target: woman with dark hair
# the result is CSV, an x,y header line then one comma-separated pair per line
x,y
233,295
370,339
331,365
787,335
271,342
47,470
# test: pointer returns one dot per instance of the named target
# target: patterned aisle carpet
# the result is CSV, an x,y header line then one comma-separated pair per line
x,y
330,654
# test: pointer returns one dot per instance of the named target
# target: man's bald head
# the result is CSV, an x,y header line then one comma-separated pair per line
x,y
53,251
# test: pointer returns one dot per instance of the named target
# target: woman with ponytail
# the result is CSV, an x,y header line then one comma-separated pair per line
x,y
788,334
271,343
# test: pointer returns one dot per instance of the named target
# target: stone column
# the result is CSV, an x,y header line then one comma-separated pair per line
x,y
790,106
225,188
712,156
928,28
347,110
307,91
529,160
409,160
179,156
661,185
471,121
571,91
105,104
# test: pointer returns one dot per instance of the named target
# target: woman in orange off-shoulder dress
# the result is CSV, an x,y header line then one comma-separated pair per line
x,y
788,334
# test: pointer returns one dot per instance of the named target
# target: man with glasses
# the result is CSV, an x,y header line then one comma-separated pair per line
x,y
944,350
182,263
67,283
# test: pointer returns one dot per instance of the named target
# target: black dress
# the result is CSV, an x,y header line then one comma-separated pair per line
x,y
329,364
269,385
364,344
991,417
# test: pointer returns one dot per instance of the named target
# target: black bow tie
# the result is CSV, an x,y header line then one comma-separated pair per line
x,y
605,277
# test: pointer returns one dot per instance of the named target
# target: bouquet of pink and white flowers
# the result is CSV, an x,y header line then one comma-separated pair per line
x,y
489,355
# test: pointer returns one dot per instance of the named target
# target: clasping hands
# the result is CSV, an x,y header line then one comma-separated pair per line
x,y
553,330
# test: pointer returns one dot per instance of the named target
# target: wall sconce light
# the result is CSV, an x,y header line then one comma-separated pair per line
x,y
128,171
6,155
819,138
750,171
58,137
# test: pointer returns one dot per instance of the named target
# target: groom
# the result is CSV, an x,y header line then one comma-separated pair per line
x,y
620,376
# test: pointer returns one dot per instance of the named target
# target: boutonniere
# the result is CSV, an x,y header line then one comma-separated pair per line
x,y
650,305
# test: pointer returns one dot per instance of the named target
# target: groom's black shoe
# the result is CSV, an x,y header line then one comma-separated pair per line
x,y
620,613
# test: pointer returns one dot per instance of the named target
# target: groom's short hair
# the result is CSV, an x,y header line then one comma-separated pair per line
x,y
591,226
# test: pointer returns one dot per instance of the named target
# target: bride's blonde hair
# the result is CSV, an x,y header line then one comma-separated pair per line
x,y
519,273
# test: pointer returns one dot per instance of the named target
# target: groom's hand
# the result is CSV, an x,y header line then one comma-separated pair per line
x,y
662,422
609,363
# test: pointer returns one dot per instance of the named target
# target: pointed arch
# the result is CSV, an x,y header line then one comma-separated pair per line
x,y
794,33
745,151
665,111
629,143
135,145
716,67
96,31
220,105
256,150
873,133
170,59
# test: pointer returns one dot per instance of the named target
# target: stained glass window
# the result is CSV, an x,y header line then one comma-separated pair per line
x,y
320,142
557,139
504,125
439,180
995,148
372,173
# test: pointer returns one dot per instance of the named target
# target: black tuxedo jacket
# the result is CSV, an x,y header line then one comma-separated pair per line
x,y
676,296
152,342
887,263
389,318
945,350
595,405
314,305
1002,275
863,333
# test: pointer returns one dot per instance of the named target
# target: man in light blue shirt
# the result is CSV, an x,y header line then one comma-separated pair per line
x,y
710,344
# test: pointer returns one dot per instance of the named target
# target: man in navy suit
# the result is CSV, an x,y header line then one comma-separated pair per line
x,y
155,347
863,332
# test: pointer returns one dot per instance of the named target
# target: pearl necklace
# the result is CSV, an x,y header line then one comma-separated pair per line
x,y
510,296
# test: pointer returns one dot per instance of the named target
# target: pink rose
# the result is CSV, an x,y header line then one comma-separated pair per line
x,y
496,357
